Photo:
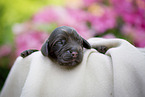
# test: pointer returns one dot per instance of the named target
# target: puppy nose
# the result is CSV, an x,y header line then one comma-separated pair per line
x,y
74,54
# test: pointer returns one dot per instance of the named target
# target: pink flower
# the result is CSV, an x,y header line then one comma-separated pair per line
x,y
5,50
136,18
102,21
83,30
30,40
90,2
109,36
133,15
122,6
46,15
78,14
137,35
140,38
130,13
64,17
141,4
78,20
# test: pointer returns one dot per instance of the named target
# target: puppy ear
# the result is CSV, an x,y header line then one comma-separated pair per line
x,y
86,44
45,47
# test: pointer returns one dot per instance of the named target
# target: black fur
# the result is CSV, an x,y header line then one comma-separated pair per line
x,y
65,46
101,49
27,52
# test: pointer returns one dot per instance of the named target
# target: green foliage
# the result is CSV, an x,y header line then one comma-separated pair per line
x,y
16,11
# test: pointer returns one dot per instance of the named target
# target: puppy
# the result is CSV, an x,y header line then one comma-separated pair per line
x,y
63,46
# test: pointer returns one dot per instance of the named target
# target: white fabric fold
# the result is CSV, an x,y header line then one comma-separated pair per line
x,y
120,72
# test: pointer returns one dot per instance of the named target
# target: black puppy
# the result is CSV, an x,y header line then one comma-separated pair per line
x,y
64,46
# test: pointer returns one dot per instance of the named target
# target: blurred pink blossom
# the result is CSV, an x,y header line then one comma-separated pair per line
x,y
95,19
31,40
79,18
136,34
46,15
140,39
133,14
136,18
5,50
109,36
130,12
78,14
140,4
19,28
103,21
89,2
64,17
122,6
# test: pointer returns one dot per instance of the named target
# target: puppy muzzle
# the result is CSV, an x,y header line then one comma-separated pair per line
x,y
70,58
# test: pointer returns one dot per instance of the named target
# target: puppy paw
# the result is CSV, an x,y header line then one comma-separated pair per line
x,y
27,53
101,49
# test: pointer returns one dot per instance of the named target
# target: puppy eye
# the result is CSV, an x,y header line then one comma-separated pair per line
x,y
61,42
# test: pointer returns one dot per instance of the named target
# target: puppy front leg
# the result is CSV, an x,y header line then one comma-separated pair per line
x,y
101,49
27,52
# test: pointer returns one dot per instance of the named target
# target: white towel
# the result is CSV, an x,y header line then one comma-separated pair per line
x,y
118,73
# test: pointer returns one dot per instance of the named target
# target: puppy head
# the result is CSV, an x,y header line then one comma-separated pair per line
x,y
65,46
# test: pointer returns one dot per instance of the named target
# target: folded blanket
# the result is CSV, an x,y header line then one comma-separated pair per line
x,y
120,72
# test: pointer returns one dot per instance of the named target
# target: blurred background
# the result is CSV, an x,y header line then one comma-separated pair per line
x,y
25,24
